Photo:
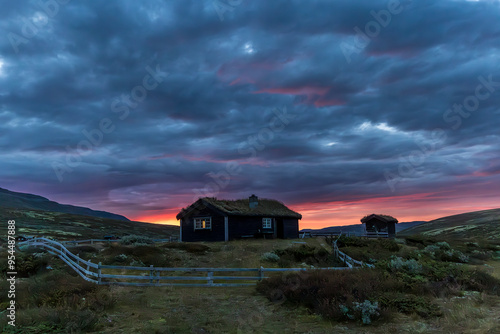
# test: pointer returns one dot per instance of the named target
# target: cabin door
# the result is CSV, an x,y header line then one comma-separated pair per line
x,y
280,228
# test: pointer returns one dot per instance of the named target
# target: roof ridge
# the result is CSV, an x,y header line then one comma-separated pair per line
x,y
266,207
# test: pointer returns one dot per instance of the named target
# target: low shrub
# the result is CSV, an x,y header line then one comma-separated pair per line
x,y
344,241
27,264
496,255
57,288
84,249
136,240
472,245
313,256
443,245
390,245
478,280
137,251
332,294
54,320
147,255
481,255
397,285
409,304
449,279
419,240
188,247
454,256
399,264
121,258
367,311
443,252
270,257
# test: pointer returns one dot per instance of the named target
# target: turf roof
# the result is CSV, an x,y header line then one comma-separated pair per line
x,y
241,207
384,218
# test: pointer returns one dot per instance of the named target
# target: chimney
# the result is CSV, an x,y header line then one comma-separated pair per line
x,y
253,201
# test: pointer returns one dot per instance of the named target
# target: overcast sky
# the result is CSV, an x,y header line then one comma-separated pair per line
x,y
336,108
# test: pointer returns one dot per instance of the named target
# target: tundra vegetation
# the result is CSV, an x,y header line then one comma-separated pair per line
x,y
418,284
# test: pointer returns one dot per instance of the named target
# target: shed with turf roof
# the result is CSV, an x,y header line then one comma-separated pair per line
x,y
377,225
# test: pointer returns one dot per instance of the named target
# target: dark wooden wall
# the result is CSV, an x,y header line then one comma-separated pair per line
x,y
290,228
391,229
215,234
241,225
375,222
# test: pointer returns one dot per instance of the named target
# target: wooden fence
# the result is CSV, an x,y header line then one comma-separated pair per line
x,y
158,276
92,241
303,235
376,234
366,234
346,259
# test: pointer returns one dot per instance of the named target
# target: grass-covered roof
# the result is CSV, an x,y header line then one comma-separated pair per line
x,y
241,207
384,218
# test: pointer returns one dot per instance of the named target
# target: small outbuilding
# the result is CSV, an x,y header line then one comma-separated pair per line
x,y
377,225
211,219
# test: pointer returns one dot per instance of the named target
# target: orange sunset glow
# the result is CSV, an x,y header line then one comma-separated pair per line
x,y
417,207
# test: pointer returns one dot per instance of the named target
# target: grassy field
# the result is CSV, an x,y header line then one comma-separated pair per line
x,y
55,292
423,283
57,301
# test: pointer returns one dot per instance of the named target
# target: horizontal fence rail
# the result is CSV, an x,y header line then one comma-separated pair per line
x,y
366,234
303,235
349,261
376,234
92,241
160,276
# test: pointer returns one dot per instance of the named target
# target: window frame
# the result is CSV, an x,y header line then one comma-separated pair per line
x,y
208,223
266,221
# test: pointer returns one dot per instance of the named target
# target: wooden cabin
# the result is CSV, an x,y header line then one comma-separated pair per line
x,y
210,219
379,225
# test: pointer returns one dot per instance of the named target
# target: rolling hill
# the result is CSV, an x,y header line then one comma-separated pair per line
x,y
36,215
64,226
478,224
21,201
358,229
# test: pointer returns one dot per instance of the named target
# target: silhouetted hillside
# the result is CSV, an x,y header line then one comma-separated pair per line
x,y
15,200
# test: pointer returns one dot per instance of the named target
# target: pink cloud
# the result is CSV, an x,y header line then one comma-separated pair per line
x,y
315,95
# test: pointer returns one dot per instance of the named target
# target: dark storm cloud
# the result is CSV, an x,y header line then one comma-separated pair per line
x,y
63,71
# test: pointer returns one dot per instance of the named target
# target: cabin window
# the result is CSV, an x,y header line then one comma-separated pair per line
x,y
266,223
204,223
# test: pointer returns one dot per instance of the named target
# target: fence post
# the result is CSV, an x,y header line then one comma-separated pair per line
x,y
88,267
151,274
91,241
99,273
158,273
261,273
210,276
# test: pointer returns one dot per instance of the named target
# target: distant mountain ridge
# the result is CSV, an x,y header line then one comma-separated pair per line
x,y
11,199
358,229
477,224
